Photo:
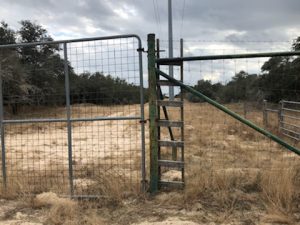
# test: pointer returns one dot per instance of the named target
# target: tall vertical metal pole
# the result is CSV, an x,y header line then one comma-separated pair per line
x,y
69,125
3,155
182,109
152,115
170,26
142,110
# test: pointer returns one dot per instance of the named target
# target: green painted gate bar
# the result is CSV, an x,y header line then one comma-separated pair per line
x,y
231,113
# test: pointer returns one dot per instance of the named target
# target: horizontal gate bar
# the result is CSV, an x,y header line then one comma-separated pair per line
x,y
72,120
291,110
291,136
272,110
289,130
231,113
291,102
169,61
71,41
291,117
289,124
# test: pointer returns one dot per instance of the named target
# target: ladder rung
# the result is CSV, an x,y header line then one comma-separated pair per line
x,y
171,143
168,123
165,83
171,184
171,163
170,103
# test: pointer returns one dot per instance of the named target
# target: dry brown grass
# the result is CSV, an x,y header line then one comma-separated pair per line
x,y
229,169
65,211
34,182
280,194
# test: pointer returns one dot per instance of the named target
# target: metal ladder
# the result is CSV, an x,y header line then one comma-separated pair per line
x,y
174,144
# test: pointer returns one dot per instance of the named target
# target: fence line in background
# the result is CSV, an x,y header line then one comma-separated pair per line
x,y
230,134
288,115
267,110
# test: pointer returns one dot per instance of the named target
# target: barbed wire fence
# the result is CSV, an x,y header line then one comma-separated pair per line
x,y
216,145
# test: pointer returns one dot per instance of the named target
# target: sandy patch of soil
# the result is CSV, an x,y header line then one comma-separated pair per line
x,y
14,212
170,221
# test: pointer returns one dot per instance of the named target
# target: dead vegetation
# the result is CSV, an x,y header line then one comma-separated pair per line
x,y
233,176
65,211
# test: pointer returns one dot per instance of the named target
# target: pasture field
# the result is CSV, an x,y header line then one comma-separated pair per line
x,y
233,174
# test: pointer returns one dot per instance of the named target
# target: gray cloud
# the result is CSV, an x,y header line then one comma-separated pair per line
x,y
272,19
233,21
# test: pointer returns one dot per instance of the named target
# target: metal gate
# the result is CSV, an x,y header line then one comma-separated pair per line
x,y
72,116
289,119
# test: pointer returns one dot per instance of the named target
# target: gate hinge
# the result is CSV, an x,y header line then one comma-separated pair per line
x,y
143,121
141,50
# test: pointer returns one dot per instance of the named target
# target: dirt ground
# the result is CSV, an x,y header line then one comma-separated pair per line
x,y
149,211
234,176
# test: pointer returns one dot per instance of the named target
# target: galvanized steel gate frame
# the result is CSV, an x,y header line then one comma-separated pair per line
x,y
69,120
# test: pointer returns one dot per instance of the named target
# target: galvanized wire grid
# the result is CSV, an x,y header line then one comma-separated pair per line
x,y
104,147
216,144
106,152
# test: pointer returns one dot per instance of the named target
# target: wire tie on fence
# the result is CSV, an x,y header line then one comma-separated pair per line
x,y
141,50
143,121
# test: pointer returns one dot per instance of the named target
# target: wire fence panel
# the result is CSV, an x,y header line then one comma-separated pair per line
x,y
223,157
73,122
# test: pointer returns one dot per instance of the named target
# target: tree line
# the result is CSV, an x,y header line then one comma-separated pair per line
x,y
279,79
35,75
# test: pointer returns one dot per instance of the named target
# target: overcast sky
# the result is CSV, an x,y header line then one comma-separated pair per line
x,y
202,19
233,21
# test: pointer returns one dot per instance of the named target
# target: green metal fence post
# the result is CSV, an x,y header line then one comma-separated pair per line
x,y
152,115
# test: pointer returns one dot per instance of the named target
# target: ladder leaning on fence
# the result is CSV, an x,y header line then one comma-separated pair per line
x,y
175,142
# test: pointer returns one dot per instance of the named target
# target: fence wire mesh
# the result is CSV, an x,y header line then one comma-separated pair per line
x,y
221,154
86,149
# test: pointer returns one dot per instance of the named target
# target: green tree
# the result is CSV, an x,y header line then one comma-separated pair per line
x,y
43,63
100,89
14,77
242,87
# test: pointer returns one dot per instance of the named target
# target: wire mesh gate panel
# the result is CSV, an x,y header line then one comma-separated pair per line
x,y
72,116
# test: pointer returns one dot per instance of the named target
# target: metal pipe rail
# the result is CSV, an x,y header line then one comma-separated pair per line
x,y
231,113
292,117
290,102
31,44
71,119
179,60
291,110
272,110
